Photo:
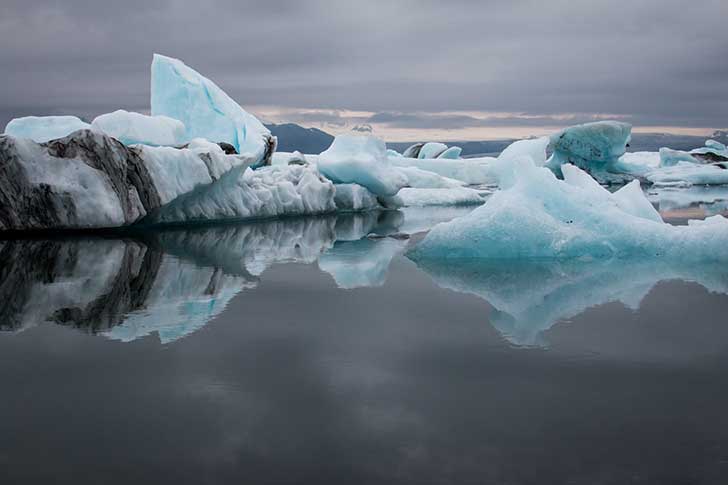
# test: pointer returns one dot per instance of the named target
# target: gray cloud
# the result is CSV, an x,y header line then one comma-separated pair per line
x,y
658,61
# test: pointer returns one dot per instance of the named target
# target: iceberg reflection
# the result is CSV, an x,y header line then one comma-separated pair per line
x,y
529,297
173,282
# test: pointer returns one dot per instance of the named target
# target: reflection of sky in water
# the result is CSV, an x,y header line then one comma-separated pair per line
x,y
410,376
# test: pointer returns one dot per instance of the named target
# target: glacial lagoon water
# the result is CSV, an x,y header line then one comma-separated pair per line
x,y
314,351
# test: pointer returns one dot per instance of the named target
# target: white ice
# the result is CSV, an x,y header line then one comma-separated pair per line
x,y
263,193
44,128
361,159
670,157
457,196
135,128
180,92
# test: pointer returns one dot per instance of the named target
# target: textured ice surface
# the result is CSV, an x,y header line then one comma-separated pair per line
x,y
714,144
354,197
529,297
263,193
686,174
597,142
132,128
432,150
471,171
180,92
362,160
424,179
533,149
540,216
669,157
438,197
44,128
711,199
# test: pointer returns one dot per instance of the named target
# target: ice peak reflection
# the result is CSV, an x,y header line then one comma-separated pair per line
x,y
529,297
173,282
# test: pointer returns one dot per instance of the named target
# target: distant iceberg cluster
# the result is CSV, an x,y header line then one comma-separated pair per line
x,y
199,157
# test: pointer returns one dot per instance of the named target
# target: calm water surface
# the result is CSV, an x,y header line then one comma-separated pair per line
x,y
303,351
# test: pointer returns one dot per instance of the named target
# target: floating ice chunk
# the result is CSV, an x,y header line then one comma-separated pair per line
x,y
713,151
710,199
534,149
393,153
632,200
413,151
354,197
363,160
629,198
669,157
431,150
452,153
135,128
456,196
206,111
543,217
424,179
472,171
44,128
686,174
263,193
362,263
593,146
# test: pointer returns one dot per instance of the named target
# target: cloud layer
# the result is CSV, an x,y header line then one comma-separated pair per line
x,y
659,62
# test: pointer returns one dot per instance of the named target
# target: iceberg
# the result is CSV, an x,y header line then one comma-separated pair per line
x,y
136,128
595,147
540,216
424,179
599,142
361,159
180,92
687,174
89,180
471,171
452,153
456,196
354,197
670,158
44,128
713,151
534,149
243,193
432,150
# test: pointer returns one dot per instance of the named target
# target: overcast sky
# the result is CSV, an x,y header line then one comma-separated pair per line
x,y
479,69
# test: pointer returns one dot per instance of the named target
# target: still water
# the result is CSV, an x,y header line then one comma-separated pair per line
x,y
314,351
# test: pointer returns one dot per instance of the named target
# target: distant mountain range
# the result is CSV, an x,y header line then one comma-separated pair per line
x,y
293,137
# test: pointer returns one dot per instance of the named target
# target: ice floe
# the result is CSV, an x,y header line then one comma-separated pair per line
x,y
132,128
44,128
540,216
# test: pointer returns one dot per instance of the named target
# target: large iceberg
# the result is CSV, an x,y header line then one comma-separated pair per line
x,y
44,128
361,159
89,180
180,92
135,128
540,216
600,142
